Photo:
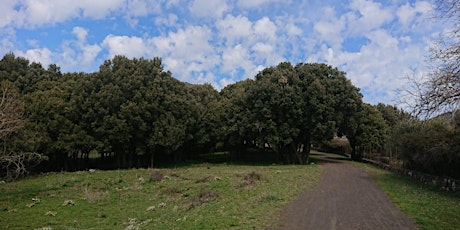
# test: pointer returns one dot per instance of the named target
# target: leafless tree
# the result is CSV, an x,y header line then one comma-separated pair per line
x,y
18,164
439,90
443,85
11,110
11,120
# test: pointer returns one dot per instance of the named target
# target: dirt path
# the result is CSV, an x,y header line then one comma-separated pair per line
x,y
346,198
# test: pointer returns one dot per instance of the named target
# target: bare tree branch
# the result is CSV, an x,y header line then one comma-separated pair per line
x,y
17,164
439,90
11,110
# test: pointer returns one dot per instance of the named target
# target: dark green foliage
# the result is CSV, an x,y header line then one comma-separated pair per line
x,y
371,131
129,112
132,113
287,109
431,146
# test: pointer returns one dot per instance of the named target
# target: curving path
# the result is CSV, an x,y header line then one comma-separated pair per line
x,y
346,198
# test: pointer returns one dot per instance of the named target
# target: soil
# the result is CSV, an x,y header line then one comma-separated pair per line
x,y
345,198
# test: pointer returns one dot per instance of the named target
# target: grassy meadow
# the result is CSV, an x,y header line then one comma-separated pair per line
x,y
201,196
430,207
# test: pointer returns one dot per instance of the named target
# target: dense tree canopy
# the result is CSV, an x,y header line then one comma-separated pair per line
x,y
133,113
289,108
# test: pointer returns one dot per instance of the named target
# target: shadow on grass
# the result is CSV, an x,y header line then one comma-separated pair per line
x,y
253,158
326,158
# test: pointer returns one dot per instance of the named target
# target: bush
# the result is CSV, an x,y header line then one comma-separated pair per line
x,y
430,146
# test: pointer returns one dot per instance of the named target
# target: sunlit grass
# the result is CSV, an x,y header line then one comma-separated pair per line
x,y
203,196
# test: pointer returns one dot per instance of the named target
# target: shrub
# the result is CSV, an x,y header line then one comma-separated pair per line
x,y
430,146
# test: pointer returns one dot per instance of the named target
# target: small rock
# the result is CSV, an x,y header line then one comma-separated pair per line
x,y
50,213
30,205
69,203
150,209
141,180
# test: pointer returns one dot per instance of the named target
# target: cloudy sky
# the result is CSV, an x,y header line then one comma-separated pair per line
x,y
224,41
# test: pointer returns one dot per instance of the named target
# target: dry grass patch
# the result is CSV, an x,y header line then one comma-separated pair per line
x,y
249,179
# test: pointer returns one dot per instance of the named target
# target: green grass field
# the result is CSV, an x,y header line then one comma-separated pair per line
x,y
199,196
202,196
430,207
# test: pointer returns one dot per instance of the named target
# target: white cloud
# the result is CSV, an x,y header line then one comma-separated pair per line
x,y
225,81
330,28
39,55
7,12
139,8
124,45
80,32
368,15
220,42
293,30
98,9
188,53
206,8
33,13
265,29
407,14
169,21
234,29
234,58
89,54
39,12
255,3
77,55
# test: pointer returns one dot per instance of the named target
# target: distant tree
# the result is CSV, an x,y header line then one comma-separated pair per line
x,y
276,103
12,67
431,146
237,132
206,118
368,130
287,108
330,101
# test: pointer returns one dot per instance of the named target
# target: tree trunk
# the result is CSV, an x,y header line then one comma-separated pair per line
x,y
152,156
306,152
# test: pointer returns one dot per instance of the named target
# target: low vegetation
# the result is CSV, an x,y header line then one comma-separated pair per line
x,y
202,196
430,207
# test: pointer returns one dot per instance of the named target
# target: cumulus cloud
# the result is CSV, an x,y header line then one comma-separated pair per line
x,y
33,13
221,42
124,45
188,53
234,29
330,28
265,29
80,32
254,3
39,55
368,15
205,8
407,14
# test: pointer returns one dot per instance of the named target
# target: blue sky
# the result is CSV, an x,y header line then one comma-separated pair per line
x,y
221,42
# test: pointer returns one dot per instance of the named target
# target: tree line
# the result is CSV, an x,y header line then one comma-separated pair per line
x,y
133,113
